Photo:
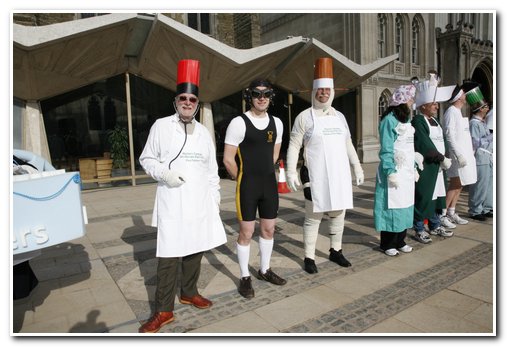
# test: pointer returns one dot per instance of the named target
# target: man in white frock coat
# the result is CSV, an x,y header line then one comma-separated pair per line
x,y
180,155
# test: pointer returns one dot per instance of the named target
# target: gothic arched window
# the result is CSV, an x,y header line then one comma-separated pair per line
x,y
383,103
382,34
415,41
398,40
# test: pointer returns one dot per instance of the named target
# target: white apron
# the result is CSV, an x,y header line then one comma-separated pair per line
x,y
437,137
328,164
188,218
403,196
467,174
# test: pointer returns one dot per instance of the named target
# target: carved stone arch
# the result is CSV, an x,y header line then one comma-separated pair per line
x,y
482,73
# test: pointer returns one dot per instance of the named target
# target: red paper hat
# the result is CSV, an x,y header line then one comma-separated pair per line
x,y
323,73
188,77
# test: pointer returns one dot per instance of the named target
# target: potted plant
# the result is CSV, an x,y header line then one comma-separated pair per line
x,y
119,141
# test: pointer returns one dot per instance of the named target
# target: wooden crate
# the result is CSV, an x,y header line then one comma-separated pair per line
x,y
87,168
104,167
92,168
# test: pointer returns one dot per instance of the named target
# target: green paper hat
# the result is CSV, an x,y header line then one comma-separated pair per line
x,y
475,99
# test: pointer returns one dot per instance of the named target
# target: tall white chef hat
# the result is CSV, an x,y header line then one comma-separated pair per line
x,y
429,92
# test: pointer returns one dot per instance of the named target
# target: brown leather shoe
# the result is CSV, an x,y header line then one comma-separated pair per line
x,y
196,300
157,321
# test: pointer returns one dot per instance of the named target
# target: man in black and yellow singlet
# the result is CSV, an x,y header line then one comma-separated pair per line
x,y
254,139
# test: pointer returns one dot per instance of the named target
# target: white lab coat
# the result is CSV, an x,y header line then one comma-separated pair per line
x,y
187,217
460,142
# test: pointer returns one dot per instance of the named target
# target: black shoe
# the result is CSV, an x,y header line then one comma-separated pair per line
x,y
310,266
479,217
338,258
245,287
488,214
271,277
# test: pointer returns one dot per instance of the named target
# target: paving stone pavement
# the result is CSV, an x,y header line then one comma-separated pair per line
x,y
105,281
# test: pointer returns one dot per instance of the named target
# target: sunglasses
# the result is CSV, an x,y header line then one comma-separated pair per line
x,y
184,98
257,94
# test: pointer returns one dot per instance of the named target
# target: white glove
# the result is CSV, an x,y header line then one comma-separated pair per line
x,y
358,172
173,178
393,180
446,163
416,175
293,181
462,161
217,197
419,160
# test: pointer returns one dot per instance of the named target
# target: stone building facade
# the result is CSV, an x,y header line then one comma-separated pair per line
x,y
458,46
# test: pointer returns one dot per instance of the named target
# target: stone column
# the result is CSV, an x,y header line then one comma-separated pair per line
x,y
368,141
207,119
34,132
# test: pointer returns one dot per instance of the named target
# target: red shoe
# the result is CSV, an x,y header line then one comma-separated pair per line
x,y
157,321
196,300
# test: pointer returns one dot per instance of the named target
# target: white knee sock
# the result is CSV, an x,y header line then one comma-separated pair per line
x,y
265,248
243,259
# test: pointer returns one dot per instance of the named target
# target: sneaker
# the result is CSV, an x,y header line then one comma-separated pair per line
x,y
406,249
423,237
479,217
391,252
441,232
457,219
446,222
245,287
488,214
338,258
271,277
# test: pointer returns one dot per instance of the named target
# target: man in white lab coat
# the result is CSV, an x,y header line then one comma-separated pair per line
x,y
180,155
463,171
327,179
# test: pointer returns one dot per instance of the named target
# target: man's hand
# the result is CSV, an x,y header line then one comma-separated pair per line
x,y
293,181
419,160
359,173
416,175
173,178
393,180
217,198
462,161
446,163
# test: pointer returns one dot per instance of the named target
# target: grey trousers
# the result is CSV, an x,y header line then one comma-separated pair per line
x,y
167,279
480,194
